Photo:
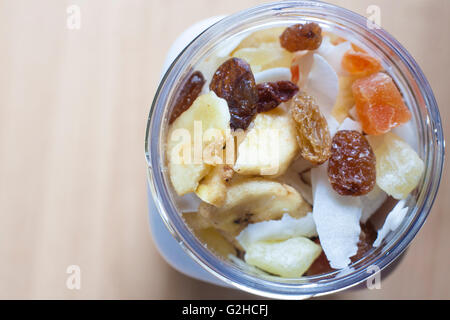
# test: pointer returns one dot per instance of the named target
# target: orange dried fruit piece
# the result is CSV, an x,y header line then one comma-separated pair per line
x,y
379,104
360,63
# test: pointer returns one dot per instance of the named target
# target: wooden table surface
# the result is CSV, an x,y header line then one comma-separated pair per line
x,y
73,110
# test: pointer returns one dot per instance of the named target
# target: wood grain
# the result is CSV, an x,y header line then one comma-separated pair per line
x,y
73,110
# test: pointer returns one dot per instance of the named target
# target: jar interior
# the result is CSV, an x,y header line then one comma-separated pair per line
x,y
418,132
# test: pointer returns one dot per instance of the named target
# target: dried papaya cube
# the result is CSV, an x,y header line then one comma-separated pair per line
x,y
360,63
379,104
399,168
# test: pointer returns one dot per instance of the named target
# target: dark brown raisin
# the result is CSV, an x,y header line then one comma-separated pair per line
x,y
190,90
306,36
271,94
320,265
367,237
234,82
351,168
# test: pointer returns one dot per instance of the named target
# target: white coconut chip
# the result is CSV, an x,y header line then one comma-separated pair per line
x,y
333,124
352,112
323,84
292,178
334,54
372,202
349,124
273,75
408,133
392,222
278,230
337,219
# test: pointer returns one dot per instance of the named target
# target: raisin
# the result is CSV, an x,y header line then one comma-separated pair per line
x,y
351,169
302,37
313,134
320,265
366,239
190,90
271,94
234,82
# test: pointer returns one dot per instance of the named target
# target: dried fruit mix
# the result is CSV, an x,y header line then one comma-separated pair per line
x,y
238,199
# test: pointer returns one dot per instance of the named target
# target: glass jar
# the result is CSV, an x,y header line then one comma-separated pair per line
x,y
425,124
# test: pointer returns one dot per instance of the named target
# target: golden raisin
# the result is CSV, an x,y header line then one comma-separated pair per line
x,y
313,134
190,90
234,82
271,94
351,168
306,36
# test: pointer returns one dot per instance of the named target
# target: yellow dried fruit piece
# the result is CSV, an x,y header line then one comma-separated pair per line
x,y
399,168
255,39
251,200
213,188
265,56
290,258
213,239
270,145
313,134
209,112
345,100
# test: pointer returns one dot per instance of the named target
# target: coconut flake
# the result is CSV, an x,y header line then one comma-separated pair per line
x,y
278,230
372,202
353,113
407,132
273,75
349,124
333,124
337,220
333,54
292,178
393,221
322,84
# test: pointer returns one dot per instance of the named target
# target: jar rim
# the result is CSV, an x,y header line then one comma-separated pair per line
x,y
432,138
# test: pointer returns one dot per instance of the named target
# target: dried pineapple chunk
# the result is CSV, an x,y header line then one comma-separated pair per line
x,y
399,168
290,258
266,56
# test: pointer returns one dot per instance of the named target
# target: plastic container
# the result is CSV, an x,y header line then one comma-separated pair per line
x,y
425,128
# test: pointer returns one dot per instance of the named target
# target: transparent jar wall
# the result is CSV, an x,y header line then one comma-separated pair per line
x,y
414,87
